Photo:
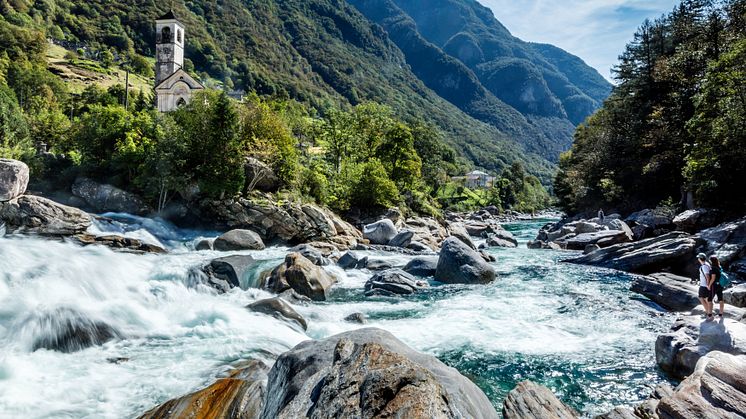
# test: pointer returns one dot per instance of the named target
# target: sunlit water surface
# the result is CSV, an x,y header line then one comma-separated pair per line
x,y
576,329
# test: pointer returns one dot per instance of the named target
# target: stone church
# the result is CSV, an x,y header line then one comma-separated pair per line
x,y
174,87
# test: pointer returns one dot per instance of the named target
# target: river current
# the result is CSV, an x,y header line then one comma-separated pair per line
x,y
577,330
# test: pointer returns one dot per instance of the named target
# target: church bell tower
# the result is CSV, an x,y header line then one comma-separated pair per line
x,y
169,46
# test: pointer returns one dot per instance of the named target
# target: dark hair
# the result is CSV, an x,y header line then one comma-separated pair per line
x,y
715,262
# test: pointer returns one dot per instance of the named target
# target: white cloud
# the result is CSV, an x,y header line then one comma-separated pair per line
x,y
594,30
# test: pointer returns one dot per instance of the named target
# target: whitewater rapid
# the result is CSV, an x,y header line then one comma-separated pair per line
x,y
576,329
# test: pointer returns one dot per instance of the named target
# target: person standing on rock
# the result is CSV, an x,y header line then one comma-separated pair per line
x,y
715,287
601,215
704,284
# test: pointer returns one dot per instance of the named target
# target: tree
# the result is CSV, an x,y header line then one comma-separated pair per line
x,y
14,140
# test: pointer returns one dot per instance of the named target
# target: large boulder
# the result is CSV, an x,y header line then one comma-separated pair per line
x,y
34,214
349,260
501,238
583,227
311,253
402,239
727,241
108,198
692,337
460,264
68,330
301,275
238,239
670,291
228,272
422,266
14,176
603,238
238,396
427,231
529,400
715,389
280,309
380,232
696,220
672,252
368,373
458,231
260,176
393,282
653,218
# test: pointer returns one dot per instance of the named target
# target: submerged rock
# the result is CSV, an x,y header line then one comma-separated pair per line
x,y
68,330
108,198
226,273
349,260
204,244
238,240
278,308
393,282
460,264
358,318
37,215
301,275
692,337
14,176
368,373
715,389
529,400
380,232
119,243
239,396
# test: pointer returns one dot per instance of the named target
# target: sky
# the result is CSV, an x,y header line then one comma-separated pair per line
x,y
594,30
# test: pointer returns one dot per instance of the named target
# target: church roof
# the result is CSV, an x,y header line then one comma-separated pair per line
x,y
168,16
177,76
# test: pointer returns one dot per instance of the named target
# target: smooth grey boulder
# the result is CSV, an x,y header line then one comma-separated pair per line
x,y
670,291
419,247
311,253
672,252
584,227
238,239
204,244
373,264
529,400
727,241
301,275
735,296
696,220
368,373
502,238
37,215
402,239
460,264
349,260
14,176
458,231
424,266
226,273
603,238
240,395
380,232
393,282
692,337
715,389
654,219
280,309
68,330
108,198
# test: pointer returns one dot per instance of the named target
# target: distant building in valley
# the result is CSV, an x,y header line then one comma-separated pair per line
x,y
174,87
476,179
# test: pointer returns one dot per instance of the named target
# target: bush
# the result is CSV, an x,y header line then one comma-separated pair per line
x,y
374,189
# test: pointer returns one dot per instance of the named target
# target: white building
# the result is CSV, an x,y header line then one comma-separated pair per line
x,y
173,86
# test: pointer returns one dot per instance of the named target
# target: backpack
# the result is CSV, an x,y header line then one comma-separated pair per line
x,y
724,280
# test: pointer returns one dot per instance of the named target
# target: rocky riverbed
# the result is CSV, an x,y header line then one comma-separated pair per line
x,y
117,315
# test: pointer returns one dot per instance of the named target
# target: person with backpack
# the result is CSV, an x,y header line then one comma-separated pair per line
x,y
715,285
704,284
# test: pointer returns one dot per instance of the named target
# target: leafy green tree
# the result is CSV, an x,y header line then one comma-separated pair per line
x,y
374,189
14,139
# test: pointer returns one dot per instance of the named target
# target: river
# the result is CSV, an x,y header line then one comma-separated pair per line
x,y
576,329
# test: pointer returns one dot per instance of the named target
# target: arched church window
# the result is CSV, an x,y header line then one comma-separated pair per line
x,y
166,34
181,102
178,35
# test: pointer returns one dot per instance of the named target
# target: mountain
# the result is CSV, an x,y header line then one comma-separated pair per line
x,y
326,52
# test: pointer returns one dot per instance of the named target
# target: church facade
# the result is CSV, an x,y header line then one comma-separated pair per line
x,y
174,87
